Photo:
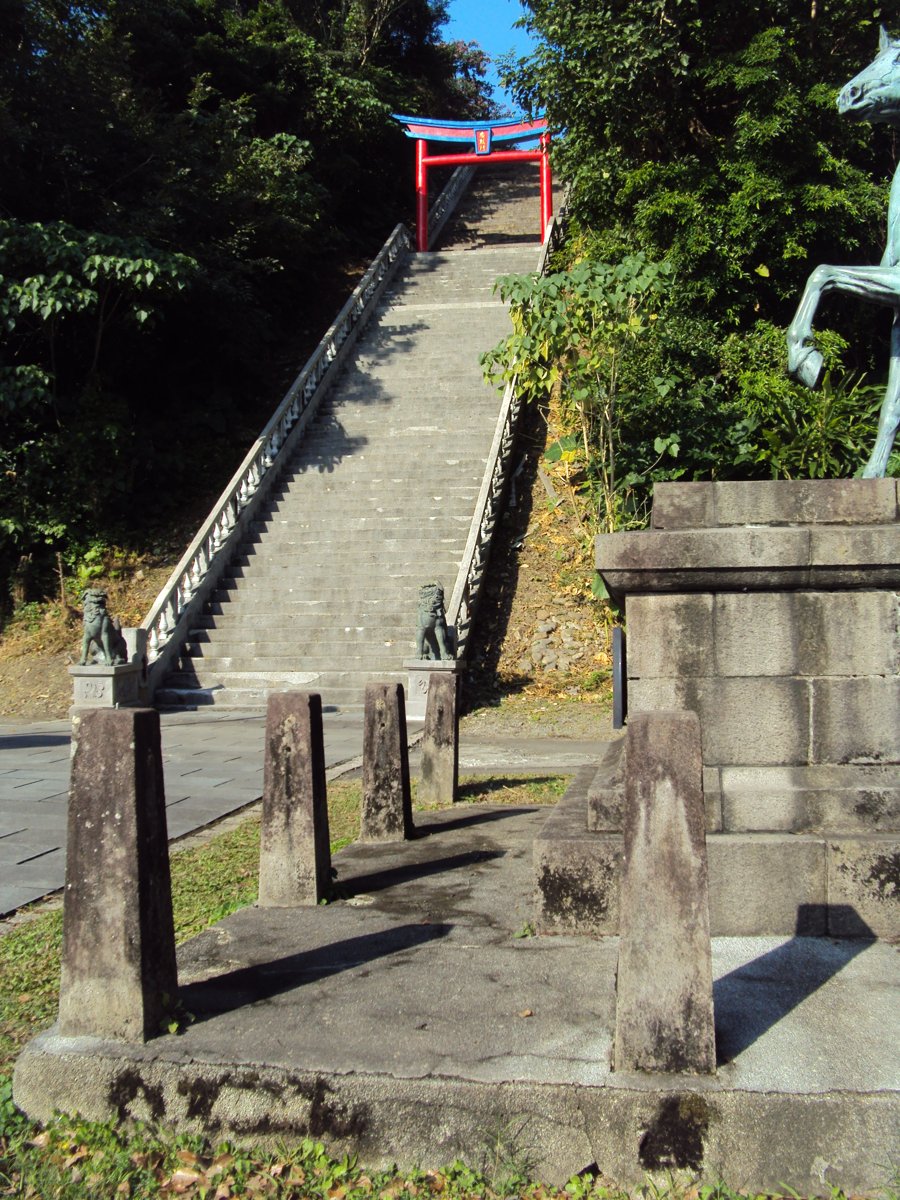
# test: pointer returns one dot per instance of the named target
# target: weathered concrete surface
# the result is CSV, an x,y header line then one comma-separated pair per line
x,y
106,687
418,677
771,611
118,956
295,851
577,874
203,782
776,502
386,802
863,878
439,768
821,798
606,793
363,1023
763,634
664,1002
757,558
743,722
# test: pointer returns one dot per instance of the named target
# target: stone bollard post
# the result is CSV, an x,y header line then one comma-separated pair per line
x,y
386,802
119,977
440,742
295,850
664,1002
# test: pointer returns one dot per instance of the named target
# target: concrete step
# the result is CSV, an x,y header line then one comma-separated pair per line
x,y
386,523
382,497
393,520
280,538
318,564
250,690
368,464
398,587
320,567
381,473
371,465
760,883
251,605
325,657
292,641
449,371
277,643
290,637
317,558
298,616
368,458
382,504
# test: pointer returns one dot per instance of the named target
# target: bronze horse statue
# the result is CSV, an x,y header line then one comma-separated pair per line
x,y
872,95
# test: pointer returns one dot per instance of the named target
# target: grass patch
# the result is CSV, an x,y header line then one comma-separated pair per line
x,y
508,789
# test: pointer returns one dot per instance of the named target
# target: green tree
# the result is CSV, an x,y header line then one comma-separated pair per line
x,y
711,141
572,333
715,141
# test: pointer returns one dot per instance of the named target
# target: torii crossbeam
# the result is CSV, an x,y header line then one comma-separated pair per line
x,y
481,136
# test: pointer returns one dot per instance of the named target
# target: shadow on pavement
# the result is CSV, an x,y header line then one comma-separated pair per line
x,y
750,1000
248,985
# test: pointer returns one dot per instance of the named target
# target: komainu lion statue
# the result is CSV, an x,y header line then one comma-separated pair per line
x,y
100,630
432,640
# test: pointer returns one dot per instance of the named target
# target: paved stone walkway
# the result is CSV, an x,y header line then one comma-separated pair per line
x,y
213,765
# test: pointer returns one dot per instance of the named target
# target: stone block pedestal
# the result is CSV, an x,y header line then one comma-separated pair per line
x,y
419,670
106,687
118,978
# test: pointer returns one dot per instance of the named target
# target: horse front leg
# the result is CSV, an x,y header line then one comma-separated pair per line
x,y
805,362
889,419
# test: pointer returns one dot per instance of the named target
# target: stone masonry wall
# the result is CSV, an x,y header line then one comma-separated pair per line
x,y
783,678
770,610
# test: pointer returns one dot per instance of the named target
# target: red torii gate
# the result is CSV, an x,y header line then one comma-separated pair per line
x,y
481,135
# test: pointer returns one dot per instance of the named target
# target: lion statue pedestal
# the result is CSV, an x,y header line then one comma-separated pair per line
x,y
419,671
120,685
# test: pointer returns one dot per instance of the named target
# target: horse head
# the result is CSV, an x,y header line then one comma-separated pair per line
x,y
874,94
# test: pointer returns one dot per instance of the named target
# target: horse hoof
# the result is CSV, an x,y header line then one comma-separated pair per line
x,y
810,368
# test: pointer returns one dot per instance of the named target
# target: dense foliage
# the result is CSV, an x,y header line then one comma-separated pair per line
x,y
707,138
179,182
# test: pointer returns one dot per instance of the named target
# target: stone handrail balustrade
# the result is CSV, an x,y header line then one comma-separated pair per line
x,y
466,593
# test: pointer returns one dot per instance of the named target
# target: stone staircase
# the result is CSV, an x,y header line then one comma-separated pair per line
x,y
378,500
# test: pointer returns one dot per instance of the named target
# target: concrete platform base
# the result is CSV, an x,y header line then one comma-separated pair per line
x,y
413,1020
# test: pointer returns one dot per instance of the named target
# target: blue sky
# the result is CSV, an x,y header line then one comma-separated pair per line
x,y
490,23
